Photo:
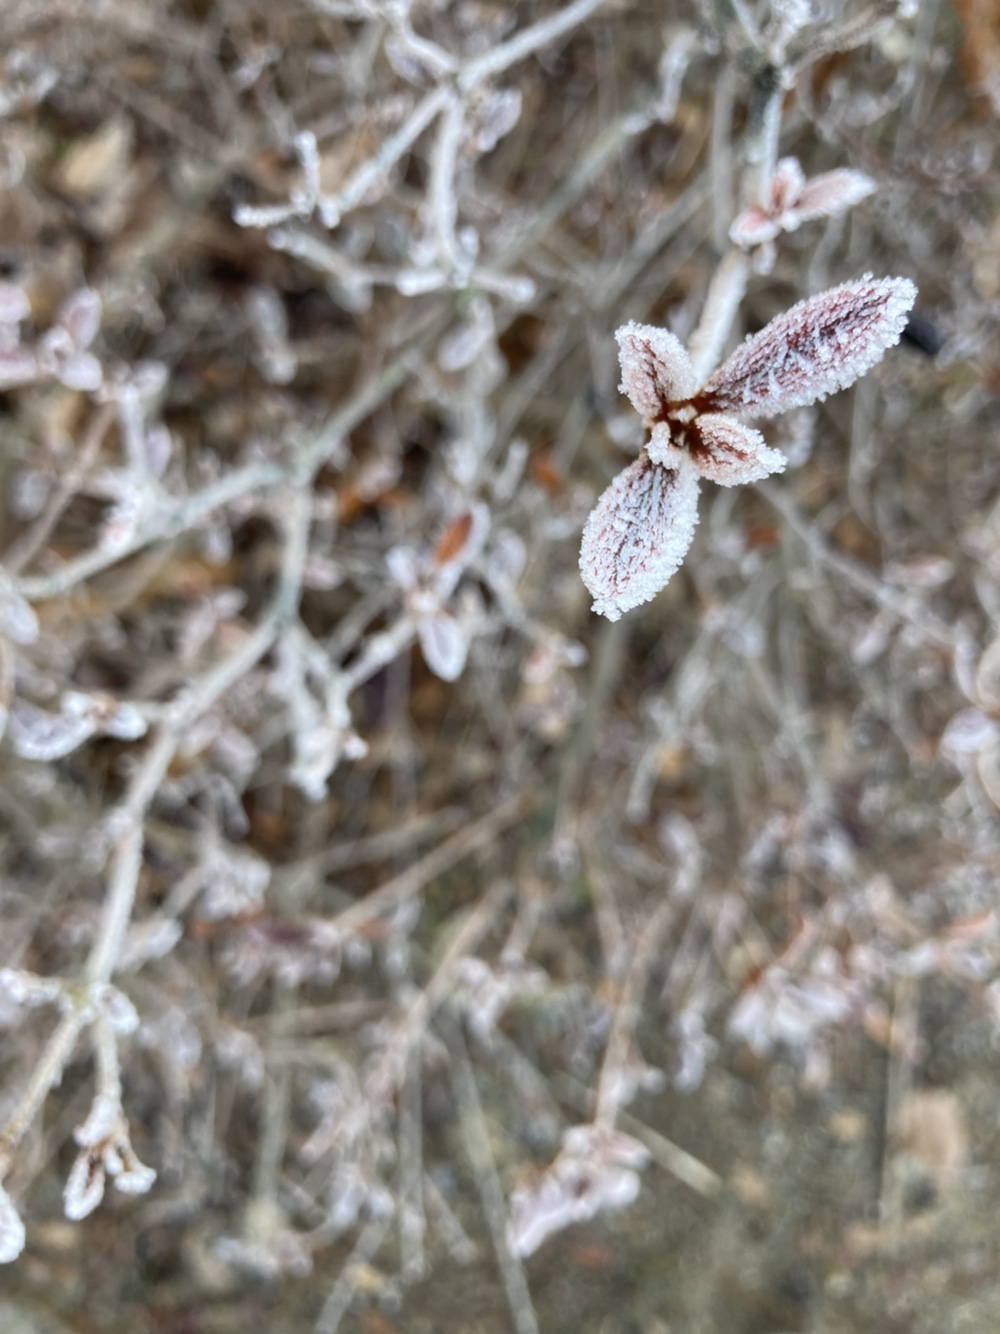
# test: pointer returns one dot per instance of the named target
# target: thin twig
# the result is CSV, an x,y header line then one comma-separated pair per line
x,y
477,1144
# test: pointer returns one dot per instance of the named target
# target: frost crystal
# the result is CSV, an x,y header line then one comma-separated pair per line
x,y
819,346
638,534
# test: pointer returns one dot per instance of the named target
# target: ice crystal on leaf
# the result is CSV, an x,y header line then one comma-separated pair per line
x,y
821,345
638,534
730,453
642,526
655,368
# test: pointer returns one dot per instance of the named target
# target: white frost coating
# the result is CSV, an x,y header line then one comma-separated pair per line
x,y
597,1169
38,735
660,447
792,200
444,644
11,1230
638,534
656,370
833,192
135,1177
731,453
101,1122
84,1186
817,347
80,316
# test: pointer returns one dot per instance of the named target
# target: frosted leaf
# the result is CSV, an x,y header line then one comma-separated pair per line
x,y
730,453
80,316
11,1230
37,735
968,733
506,559
786,184
656,370
660,447
403,566
444,645
18,621
269,324
121,1014
638,534
82,371
148,940
833,192
495,117
753,227
14,304
821,345
233,882
157,446
18,366
84,1186
792,200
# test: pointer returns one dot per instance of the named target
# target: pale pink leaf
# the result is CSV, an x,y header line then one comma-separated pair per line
x,y
787,185
753,227
638,534
821,345
833,192
656,370
730,453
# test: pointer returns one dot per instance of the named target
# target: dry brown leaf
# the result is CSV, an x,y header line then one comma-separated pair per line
x,y
94,166
933,1131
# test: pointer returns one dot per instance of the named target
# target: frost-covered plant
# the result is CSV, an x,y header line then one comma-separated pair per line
x,y
643,524
791,201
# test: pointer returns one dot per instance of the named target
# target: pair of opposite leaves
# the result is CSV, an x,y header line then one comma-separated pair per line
x,y
640,530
